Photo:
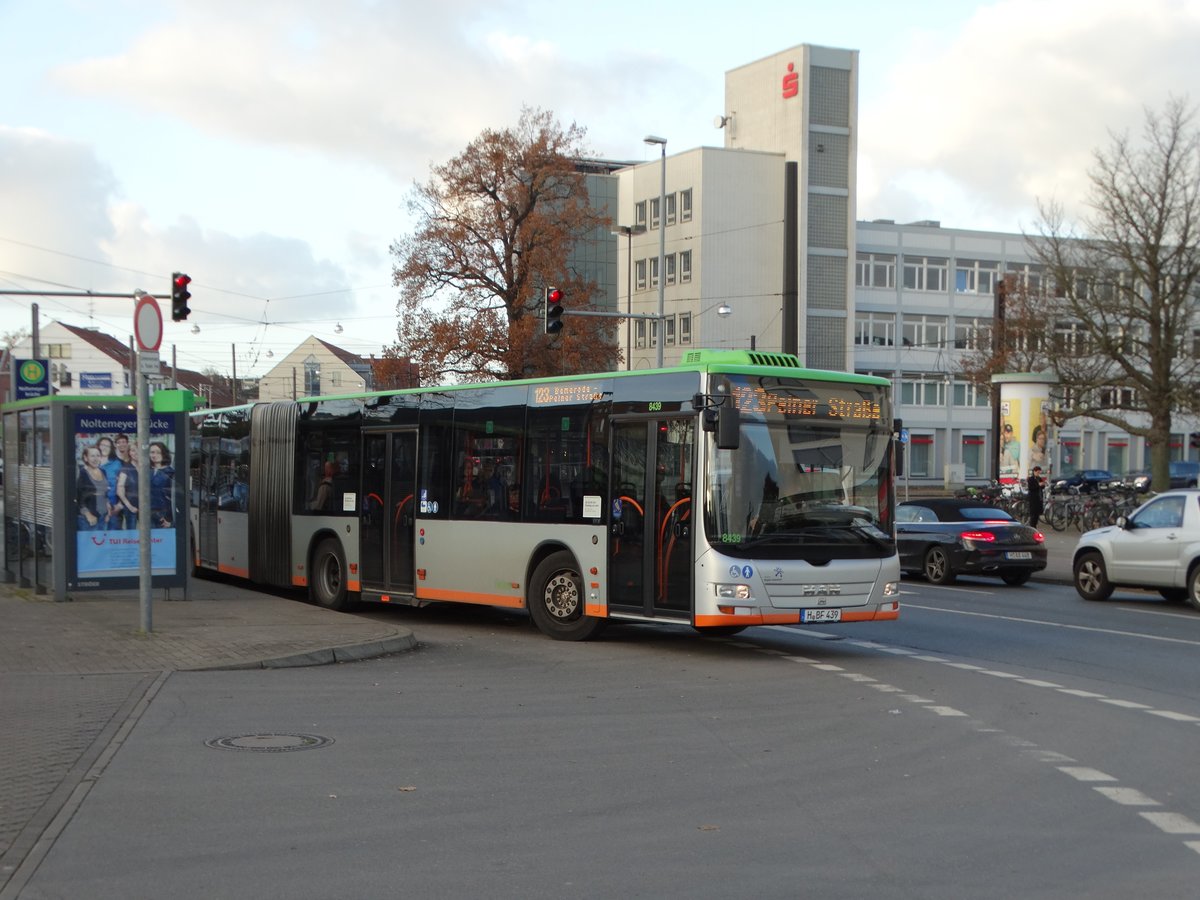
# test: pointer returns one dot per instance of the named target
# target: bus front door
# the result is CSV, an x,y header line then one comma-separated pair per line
x,y
386,522
650,538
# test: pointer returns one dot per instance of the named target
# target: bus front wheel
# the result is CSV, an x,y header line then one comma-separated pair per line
x,y
327,575
557,602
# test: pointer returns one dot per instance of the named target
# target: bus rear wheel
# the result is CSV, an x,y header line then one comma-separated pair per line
x,y
327,575
557,602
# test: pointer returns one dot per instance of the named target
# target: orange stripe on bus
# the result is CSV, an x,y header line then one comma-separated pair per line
x,y
427,593
596,609
233,570
882,615
299,581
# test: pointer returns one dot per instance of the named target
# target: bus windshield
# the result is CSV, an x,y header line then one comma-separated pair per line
x,y
812,476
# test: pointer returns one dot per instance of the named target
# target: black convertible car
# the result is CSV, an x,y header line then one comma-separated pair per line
x,y
943,539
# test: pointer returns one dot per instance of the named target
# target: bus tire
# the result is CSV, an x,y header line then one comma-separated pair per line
x,y
327,575
557,602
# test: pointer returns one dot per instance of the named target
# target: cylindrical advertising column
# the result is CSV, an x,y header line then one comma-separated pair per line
x,y
1024,438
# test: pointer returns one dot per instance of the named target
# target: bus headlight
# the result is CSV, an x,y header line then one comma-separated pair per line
x,y
891,589
733,591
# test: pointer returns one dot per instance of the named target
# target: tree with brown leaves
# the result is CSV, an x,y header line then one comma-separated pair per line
x,y
496,225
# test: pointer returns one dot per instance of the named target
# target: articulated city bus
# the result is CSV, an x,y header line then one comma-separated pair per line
x,y
735,489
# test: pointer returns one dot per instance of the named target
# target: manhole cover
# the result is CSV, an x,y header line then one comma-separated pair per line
x,y
269,743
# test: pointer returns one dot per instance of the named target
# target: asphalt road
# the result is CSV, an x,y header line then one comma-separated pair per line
x,y
995,742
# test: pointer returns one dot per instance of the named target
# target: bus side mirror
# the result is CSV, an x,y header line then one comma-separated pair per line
x,y
728,427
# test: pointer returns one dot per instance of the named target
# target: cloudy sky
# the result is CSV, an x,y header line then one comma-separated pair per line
x,y
268,148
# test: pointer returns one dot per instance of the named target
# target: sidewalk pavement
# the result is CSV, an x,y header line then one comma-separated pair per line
x,y
221,626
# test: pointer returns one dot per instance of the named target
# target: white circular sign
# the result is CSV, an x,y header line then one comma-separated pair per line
x,y
147,324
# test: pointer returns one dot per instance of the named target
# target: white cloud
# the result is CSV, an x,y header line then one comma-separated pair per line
x,y
1013,107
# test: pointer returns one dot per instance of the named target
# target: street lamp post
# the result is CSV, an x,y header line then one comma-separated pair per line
x,y
662,244
629,231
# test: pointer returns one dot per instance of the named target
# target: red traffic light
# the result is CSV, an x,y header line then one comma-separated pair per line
x,y
180,296
554,310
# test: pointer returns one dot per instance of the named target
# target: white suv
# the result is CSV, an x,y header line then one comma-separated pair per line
x,y
1157,548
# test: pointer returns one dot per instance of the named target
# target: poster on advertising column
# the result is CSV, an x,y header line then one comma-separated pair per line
x,y
107,474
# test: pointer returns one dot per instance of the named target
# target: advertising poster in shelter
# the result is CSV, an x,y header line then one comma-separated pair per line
x,y
105,495
1010,441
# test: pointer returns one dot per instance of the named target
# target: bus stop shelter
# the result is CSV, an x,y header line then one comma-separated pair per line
x,y
67,466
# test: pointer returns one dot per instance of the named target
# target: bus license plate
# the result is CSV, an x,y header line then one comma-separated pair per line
x,y
1019,554
820,615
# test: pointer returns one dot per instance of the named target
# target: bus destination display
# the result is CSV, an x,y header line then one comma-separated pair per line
x,y
750,399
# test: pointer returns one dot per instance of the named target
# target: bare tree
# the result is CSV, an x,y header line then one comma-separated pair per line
x,y
1115,313
496,225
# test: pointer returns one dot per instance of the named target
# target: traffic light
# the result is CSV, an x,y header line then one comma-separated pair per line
x,y
179,296
554,310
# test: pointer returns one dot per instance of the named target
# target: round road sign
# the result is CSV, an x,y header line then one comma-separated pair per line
x,y
147,324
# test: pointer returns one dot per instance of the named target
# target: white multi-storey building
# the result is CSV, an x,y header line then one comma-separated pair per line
x,y
762,251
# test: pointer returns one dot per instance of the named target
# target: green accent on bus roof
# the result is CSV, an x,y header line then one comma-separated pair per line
x,y
731,362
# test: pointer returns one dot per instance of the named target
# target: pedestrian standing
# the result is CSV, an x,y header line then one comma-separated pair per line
x,y
1034,491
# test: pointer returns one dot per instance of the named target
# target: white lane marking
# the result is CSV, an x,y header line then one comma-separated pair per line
x,y
1024,621
925,657
1127,796
1082,773
996,674
1171,823
1035,682
1076,692
1167,822
1124,704
1173,716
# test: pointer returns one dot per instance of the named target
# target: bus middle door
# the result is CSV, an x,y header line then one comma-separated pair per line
x,y
388,516
652,520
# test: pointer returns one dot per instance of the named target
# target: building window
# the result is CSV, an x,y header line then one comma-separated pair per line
x,y
670,261
639,214
670,209
875,270
685,205
924,331
923,389
1117,398
669,331
685,328
971,334
969,394
972,455
654,271
640,269
974,276
685,274
312,377
654,213
1029,276
653,332
335,379
920,455
639,333
875,329
925,273
1071,339
58,351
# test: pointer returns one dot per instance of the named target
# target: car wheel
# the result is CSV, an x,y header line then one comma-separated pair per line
x,y
937,566
1016,579
1193,588
1091,580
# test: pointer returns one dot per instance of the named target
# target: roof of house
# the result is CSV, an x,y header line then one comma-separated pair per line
x,y
217,390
